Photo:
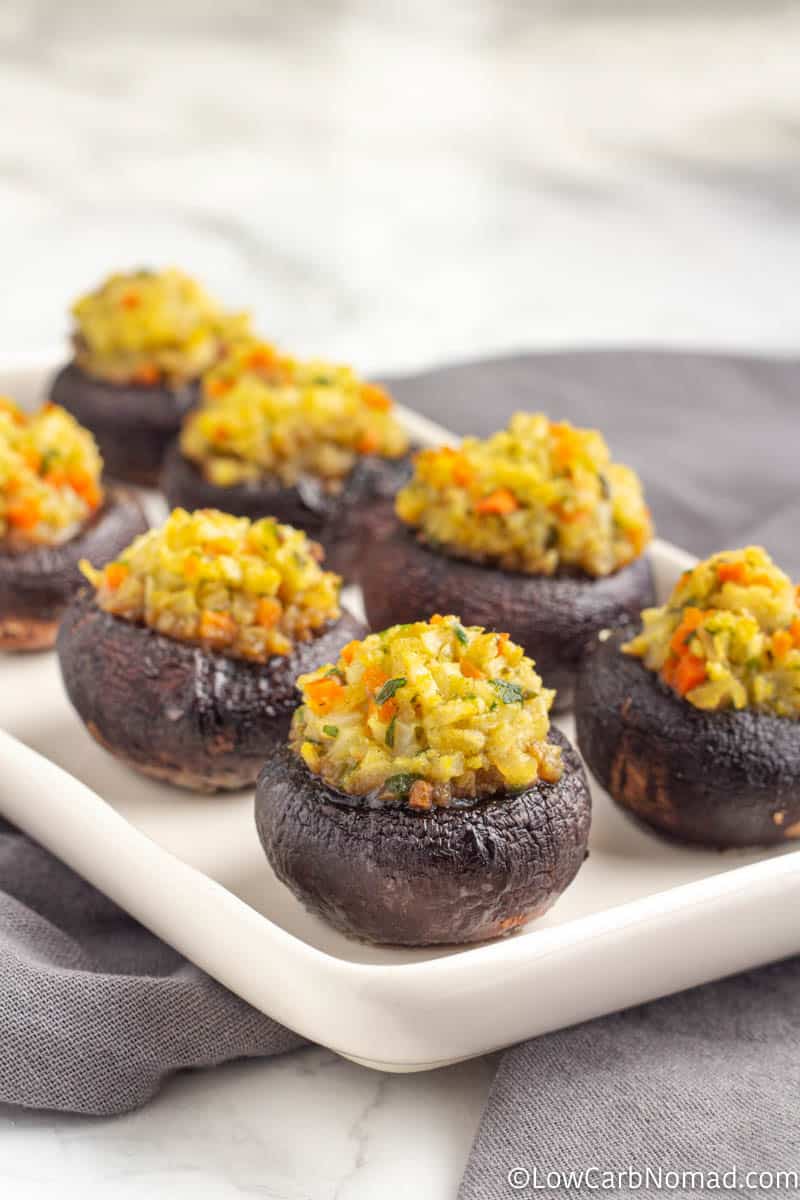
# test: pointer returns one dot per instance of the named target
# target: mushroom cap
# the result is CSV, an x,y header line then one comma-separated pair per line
x,y
342,522
37,584
386,873
177,711
717,778
132,425
554,618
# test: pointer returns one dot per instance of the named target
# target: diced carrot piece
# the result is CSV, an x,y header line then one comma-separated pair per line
x,y
794,629
689,622
324,694
263,358
436,619
387,710
217,627
421,794
348,651
217,386
130,300
374,679
368,443
572,516
268,612
146,374
502,641
191,566
733,572
782,642
220,433
33,458
82,482
114,575
24,514
470,671
462,472
56,477
500,502
689,673
668,670
376,397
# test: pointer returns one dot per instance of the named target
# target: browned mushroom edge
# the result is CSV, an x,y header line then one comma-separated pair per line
x,y
385,873
177,711
721,779
133,425
37,584
362,512
555,618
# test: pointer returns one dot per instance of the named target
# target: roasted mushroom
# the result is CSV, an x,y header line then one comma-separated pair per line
x,y
692,724
53,513
423,796
306,442
182,656
534,531
141,342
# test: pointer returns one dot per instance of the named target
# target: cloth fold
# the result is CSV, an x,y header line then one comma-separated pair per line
x,y
95,1012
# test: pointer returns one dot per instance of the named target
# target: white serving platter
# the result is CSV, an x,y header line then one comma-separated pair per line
x,y
644,918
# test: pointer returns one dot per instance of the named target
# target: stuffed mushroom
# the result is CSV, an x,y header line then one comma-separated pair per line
x,y
141,342
693,724
304,441
182,654
423,796
534,530
54,511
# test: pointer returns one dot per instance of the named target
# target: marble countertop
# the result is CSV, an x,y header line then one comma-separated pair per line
x,y
397,185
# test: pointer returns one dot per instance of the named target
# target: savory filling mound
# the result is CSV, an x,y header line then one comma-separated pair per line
x,y
152,327
248,589
264,413
427,713
729,635
536,497
49,476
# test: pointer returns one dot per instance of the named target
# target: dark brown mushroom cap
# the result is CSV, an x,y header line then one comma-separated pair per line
x,y
389,874
718,778
132,425
37,584
361,512
554,618
179,712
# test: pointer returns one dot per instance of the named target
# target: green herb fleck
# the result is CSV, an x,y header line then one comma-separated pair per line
x,y
389,688
390,732
334,671
509,693
331,730
400,785
461,634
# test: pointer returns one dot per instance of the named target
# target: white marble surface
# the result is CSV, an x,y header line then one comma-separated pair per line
x,y
398,184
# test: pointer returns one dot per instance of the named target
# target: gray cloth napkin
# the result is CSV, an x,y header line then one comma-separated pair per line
x,y
95,1012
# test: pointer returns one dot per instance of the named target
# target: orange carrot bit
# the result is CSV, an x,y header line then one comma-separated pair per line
x,y
794,629
348,652
462,472
376,397
668,670
217,627
689,673
502,641
421,794
218,386
82,482
220,433
130,300
33,458
191,567
268,612
689,622
56,477
435,619
263,358
500,502
573,515
733,572
24,514
147,374
374,679
782,642
470,671
324,694
368,443
387,710
115,574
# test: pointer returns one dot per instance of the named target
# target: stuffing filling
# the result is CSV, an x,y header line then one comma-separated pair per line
x,y
49,476
152,327
264,413
428,714
248,589
729,635
537,497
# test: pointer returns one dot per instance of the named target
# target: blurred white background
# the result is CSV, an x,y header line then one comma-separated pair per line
x,y
409,181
